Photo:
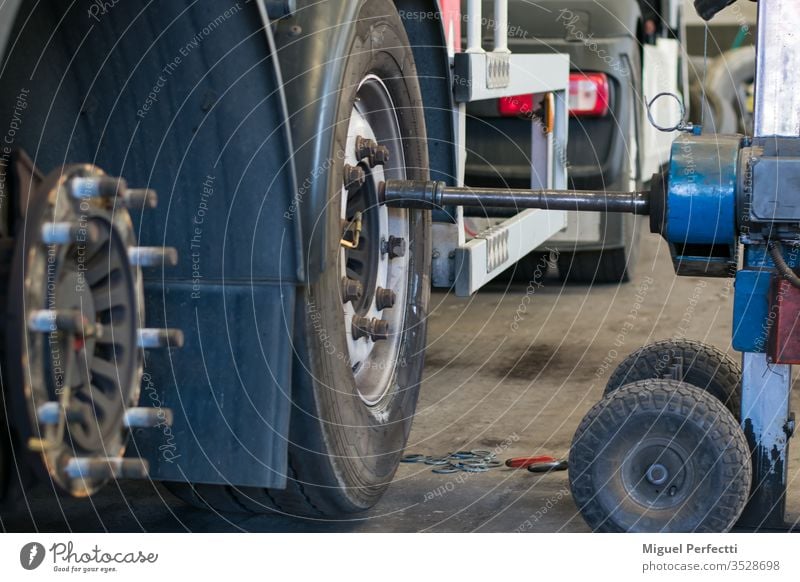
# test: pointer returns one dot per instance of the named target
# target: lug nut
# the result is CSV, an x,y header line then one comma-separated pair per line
x,y
377,155
361,327
384,298
364,147
395,247
354,178
352,290
380,330
381,156
375,329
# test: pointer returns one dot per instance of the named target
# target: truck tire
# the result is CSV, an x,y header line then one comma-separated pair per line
x,y
354,397
616,264
606,266
704,366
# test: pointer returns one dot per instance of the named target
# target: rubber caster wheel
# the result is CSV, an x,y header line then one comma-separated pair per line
x,y
659,456
693,362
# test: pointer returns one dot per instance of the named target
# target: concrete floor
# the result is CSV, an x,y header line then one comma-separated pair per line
x,y
519,389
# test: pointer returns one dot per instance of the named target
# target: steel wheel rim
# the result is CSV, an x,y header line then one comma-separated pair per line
x,y
658,457
374,363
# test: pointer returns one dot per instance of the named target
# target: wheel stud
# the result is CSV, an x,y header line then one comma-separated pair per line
x,y
62,233
375,329
385,298
50,413
395,247
153,256
376,155
354,178
106,468
156,338
352,290
67,321
140,198
96,187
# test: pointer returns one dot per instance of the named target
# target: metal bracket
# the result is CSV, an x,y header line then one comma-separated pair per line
x,y
478,76
496,249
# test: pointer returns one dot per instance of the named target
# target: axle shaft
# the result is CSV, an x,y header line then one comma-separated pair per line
x,y
433,195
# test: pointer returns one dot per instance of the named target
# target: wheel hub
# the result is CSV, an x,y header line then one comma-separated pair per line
x,y
656,473
74,344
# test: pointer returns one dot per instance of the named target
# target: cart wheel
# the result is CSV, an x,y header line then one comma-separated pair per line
x,y
659,456
693,362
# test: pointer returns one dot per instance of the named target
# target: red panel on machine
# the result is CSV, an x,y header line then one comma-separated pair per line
x,y
784,323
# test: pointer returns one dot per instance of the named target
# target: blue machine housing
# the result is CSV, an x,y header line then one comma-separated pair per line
x,y
700,214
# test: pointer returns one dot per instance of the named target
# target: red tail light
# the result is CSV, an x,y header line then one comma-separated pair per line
x,y
588,94
519,105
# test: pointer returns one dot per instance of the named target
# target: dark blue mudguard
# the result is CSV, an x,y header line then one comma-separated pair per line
x,y
203,121
191,106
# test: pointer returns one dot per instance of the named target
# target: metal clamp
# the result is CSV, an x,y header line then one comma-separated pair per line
x,y
682,125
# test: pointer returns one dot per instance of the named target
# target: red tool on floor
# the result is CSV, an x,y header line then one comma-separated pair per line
x,y
538,464
525,462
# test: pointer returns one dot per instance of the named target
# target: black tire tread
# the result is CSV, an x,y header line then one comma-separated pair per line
x,y
606,266
293,501
705,367
612,411
311,490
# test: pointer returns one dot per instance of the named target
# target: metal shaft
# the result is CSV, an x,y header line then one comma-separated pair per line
x,y
431,195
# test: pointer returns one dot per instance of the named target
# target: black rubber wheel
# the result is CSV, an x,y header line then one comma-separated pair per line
x,y
704,366
347,437
605,266
660,456
530,269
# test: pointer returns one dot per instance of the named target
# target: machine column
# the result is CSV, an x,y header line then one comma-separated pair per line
x,y
765,420
765,386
